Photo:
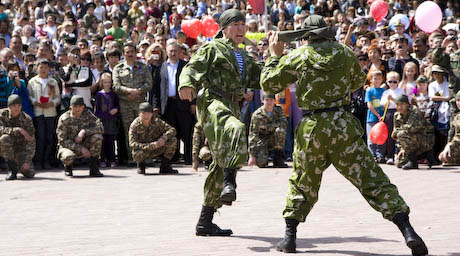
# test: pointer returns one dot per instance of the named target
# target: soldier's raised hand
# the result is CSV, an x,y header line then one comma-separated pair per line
x,y
276,47
187,93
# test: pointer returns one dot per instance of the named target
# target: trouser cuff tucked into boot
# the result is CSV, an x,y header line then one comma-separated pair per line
x,y
288,244
205,227
228,194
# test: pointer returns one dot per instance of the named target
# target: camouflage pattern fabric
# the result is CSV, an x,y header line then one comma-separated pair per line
x,y
68,128
270,138
214,72
200,150
455,141
124,78
142,138
452,64
327,73
414,133
13,145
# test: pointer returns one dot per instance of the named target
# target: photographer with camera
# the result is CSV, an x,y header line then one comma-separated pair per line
x,y
18,86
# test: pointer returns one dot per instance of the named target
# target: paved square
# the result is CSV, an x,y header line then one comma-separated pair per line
x,y
128,214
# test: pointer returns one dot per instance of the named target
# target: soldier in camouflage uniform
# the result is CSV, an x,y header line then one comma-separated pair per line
x,y
451,153
79,135
221,72
200,149
326,73
267,132
452,64
150,137
414,134
17,139
132,80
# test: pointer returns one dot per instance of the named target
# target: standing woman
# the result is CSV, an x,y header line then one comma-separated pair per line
x,y
155,56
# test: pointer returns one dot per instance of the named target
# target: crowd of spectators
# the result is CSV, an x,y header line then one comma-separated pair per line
x,y
82,40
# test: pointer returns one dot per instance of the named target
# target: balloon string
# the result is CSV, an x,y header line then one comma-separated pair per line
x,y
386,108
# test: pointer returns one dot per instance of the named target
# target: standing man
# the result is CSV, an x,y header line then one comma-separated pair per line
x,y
267,133
149,136
131,82
221,72
79,134
327,73
17,139
178,113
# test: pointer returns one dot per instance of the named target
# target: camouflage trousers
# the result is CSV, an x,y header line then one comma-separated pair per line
x,y
265,143
336,138
200,150
226,134
454,154
93,143
412,142
167,151
129,110
18,150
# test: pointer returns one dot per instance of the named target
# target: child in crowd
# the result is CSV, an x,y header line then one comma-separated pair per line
x,y
374,112
388,98
421,98
410,73
438,90
106,108
44,95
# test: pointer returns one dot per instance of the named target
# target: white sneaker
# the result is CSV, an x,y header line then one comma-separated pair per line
x,y
390,161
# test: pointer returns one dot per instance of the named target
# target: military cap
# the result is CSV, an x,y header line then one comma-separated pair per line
x,y
402,98
14,99
77,100
313,24
457,96
422,79
145,107
268,96
227,18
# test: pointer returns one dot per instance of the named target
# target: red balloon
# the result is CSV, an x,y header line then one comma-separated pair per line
x,y
192,28
210,27
379,9
379,133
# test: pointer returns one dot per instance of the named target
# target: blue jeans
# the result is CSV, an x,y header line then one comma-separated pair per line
x,y
376,150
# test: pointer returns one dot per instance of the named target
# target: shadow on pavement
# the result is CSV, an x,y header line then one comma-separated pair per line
x,y
308,243
89,177
40,178
161,174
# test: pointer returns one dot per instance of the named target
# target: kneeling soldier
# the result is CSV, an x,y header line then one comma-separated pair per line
x,y
150,137
200,149
413,133
17,139
79,134
267,132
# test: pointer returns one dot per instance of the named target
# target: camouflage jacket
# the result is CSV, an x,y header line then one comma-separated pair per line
x,y
452,64
68,128
142,137
455,129
214,66
326,73
124,79
413,122
260,117
9,125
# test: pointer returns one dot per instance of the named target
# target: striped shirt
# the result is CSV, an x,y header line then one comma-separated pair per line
x,y
239,59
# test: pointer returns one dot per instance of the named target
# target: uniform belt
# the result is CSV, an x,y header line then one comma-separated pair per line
x,y
228,96
322,110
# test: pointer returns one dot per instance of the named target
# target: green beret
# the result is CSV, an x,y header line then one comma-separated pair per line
x,y
227,18
77,100
268,96
402,98
14,99
457,96
422,79
145,107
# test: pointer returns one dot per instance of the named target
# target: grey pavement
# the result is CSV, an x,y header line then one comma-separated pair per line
x,y
128,214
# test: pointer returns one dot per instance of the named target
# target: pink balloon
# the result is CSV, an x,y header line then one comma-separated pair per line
x,y
192,28
209,27
379,9
379,133
428,16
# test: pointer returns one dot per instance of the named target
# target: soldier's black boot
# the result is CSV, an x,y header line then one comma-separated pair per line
x,y
412,162
288,244
12,171
413,241
94,167
141,168
430,158
165,166
205,227
68,170
228,194
278,160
